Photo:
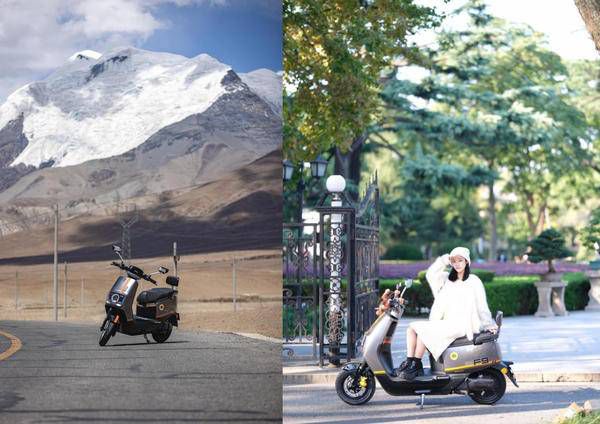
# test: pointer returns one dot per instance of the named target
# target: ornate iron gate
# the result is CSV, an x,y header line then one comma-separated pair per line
x,y
365,292
351,233
331,277
300,285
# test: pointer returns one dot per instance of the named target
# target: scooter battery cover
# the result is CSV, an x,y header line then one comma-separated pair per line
x,y
146,311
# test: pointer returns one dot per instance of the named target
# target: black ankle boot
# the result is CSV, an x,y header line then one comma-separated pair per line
x,y
414,369
405,364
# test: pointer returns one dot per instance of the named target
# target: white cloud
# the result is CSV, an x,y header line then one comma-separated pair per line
x,y
38,36
98,18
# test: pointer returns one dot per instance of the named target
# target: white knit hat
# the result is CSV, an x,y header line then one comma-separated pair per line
x,y
461,251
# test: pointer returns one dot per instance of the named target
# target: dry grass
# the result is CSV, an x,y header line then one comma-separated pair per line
x,y
205,292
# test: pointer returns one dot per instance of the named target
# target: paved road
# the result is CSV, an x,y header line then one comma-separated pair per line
x,y
533,403
62,375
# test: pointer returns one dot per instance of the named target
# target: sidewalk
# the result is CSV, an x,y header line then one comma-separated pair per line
x,y
553,349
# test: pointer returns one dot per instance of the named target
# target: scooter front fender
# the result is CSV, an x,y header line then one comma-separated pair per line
x,y
504,368
351,366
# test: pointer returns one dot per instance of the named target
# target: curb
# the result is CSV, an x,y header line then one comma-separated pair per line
x,y
15,345
257,336
328,377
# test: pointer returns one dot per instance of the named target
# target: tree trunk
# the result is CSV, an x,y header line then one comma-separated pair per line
x,y
590,12
531,224
348,165
493,226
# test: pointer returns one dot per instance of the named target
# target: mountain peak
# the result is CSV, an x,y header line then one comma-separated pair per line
x,y
85,55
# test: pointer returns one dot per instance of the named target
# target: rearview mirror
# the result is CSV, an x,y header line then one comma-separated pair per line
x,y
116,248
163,270
408,282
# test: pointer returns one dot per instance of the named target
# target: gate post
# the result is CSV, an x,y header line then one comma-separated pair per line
x,y
335,185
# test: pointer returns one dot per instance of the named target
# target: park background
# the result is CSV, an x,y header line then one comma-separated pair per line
x,y
482,130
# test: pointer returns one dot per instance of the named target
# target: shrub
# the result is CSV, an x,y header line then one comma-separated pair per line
x,y
548,246
404,251
512,298
576,292
484,275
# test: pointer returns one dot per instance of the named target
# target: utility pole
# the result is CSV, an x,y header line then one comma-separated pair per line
x,y
125,236
65,292
234,283
55,300
16,290
175,257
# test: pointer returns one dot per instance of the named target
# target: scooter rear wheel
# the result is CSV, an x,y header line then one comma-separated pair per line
x,y
489,397
163,333
107,333
350,390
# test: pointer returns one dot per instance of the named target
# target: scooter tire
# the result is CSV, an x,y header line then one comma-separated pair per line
x,y
107,333
486,397
345,380
161,335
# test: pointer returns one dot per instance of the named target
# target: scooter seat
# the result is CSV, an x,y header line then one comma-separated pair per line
x,y
153,295
479,338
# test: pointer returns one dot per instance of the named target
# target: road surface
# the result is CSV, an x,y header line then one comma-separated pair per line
x,y
533,403
61,374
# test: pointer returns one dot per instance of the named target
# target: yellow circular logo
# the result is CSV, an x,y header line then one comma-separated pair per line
x,y
161,307
454,356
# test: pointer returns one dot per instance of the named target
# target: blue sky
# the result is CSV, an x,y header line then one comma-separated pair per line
x,y
243,36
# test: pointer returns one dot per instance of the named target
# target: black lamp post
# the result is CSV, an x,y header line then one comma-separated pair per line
x,y
317,170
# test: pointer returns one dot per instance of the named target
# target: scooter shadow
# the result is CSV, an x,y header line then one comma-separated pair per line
x,y
145,343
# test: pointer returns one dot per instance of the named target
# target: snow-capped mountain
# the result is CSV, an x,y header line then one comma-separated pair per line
x,y
130,124
268,85
98,106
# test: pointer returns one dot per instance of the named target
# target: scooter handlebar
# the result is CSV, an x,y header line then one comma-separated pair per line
x,y
152,280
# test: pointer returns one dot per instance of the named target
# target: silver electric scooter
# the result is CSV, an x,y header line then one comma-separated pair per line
x,y
473,367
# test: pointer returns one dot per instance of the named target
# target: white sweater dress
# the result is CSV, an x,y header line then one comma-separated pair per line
x,y
459,309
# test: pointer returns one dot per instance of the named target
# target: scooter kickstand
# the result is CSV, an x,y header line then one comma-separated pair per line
x,y
421,401
146,337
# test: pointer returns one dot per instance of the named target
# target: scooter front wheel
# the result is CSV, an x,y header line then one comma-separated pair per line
x,y
107,333
353,389
489,396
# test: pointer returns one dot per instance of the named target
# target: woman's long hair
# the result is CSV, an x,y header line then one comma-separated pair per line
x,y
454,275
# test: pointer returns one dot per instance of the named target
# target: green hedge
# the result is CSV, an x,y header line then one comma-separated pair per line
x,y
513,295
512,298
576,293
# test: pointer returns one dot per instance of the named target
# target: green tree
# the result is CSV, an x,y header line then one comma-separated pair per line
x,y
334,52
548,246
494,96
590,234
430,202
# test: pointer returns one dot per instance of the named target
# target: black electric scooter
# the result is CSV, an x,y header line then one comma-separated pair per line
x,y
473,367
156,311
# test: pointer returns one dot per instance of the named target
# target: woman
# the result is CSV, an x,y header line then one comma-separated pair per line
x,y
459,309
